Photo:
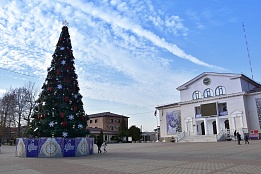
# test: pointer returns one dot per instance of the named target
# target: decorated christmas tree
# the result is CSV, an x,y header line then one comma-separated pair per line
x,y
59,109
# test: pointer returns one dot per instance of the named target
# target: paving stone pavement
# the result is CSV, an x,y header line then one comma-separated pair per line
x,y
145,158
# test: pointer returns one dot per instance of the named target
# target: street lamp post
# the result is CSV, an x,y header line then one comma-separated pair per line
x,y
157,131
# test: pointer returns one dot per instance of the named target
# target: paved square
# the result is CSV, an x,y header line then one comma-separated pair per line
x,y
146,158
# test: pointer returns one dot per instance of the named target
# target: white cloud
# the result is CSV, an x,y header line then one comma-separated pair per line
x,y
2,91
117,53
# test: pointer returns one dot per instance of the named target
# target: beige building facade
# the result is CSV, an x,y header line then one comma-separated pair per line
x,y
108,122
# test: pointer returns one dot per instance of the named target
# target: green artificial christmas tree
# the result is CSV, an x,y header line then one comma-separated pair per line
x,y
59,109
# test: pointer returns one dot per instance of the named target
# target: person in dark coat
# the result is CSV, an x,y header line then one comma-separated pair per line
x,y
99,144
246,139
235,135
238,138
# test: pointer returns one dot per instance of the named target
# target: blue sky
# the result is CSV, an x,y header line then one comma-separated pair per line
x,y
130,55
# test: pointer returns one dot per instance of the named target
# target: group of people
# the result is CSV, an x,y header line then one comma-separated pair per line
x,y
238,137
100,144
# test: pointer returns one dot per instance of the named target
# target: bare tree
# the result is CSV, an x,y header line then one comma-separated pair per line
x,y
25,102
16,107
30,104
7,105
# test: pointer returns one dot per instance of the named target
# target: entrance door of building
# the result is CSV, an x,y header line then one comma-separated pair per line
x,y
202,128
226,124
214,127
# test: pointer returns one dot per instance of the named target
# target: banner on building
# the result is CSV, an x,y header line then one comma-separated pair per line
x,y
254,134
173,122
258,106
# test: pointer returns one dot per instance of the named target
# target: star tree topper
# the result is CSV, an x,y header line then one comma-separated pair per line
x,y
65,23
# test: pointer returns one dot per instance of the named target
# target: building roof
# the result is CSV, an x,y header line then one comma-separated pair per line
x,y
107,114
167,105
255,90
231,75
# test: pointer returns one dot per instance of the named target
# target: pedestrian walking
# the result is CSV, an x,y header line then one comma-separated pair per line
x,y
99,144
104,146
238,138
235,135
0,144
246,139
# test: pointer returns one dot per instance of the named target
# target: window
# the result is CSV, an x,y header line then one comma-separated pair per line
x,y
220,90
196,95
222,109
208,93
90,121
197,112
96,121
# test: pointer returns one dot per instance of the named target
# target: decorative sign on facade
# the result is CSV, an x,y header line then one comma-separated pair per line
x,y
258,106
254,135
173,122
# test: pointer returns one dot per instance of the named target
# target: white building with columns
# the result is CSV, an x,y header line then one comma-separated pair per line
x,y
213,104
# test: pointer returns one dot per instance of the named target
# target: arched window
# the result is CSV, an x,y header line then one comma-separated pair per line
x,y
208,93
196,95
220,90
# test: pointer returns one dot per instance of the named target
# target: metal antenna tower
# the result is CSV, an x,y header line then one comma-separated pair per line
x,y
247,50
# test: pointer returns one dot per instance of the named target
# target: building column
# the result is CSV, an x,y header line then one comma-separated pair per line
x,y
206,126
186,126
217,125
234,123
191,125
241,120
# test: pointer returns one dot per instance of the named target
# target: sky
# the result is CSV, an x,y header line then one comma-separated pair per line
x,y
130,55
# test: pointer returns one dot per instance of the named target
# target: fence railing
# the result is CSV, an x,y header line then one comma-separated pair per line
x,y
179,136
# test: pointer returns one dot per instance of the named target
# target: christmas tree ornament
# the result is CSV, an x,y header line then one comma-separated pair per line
x,y
65,134
66,99
80,126
71,117
58,72
62,114
51,124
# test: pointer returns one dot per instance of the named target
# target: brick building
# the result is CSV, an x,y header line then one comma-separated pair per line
x,y
108,122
